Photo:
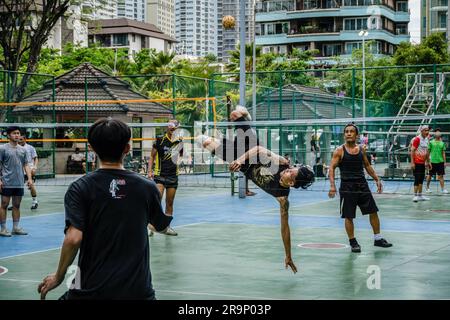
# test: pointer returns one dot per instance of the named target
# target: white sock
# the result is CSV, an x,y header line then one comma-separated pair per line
x,y
377,236
15,224
34,199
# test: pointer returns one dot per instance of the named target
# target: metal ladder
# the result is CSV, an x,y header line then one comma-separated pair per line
x,y
420,100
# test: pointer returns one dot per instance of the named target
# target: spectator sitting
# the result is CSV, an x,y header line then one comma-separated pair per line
x,y
77,156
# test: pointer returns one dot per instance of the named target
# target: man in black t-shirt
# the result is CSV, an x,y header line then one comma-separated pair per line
x,y
107,213
165,154
269,171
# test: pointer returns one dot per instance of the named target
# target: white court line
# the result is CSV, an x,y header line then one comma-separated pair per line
x,y
28,253
5,270
41,251
215,294
171,291
41,215
20,280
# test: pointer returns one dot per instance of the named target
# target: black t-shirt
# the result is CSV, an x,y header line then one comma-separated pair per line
x,y
264,177
167,155
112,208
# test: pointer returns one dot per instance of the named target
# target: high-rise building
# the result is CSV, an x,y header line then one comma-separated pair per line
x,y
99,9
161,13
228,40
196,27
132,9
433,17
331,27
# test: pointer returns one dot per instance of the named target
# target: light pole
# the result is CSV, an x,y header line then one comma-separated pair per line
x,y
364,34
242,79
254,63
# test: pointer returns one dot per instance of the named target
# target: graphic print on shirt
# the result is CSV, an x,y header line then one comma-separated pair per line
x,y
114,188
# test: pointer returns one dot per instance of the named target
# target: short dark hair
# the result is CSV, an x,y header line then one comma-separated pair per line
x,y
437,129
352,124
305,177
109,137
11,129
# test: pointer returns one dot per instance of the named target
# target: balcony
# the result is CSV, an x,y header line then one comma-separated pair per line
x,y
396,16
324,35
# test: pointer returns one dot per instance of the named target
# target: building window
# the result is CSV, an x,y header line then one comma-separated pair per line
x,y
355,24
402,6
134,37
120,40
332,50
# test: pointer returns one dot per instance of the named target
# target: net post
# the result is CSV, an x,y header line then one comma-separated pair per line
x,y
54,129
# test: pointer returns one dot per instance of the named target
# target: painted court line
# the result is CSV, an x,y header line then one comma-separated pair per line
x,y
59,247
3,270
28,253
215,294
20,280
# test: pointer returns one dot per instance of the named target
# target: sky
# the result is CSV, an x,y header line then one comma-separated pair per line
x,y
414,25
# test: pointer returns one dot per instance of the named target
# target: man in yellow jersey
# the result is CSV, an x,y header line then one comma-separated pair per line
x,y
165,153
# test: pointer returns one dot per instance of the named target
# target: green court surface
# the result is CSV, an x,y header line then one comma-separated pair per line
x,y
231,248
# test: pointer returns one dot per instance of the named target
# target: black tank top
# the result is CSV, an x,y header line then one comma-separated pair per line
x,y
352,166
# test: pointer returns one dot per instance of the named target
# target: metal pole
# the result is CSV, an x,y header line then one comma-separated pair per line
x,y
364,78
254,62
242,80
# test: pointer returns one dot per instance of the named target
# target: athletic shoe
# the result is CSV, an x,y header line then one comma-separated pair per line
x,y
428,191
382,243
422,198
34,206
19,232
170,232
356,248
445,191
416,198
5,233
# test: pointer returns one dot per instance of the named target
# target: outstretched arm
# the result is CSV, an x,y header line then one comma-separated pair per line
x,y
286,232
150,162
371,171
69,250
337,155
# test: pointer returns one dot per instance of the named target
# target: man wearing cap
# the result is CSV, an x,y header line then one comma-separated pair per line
x,y
419,161
13,161
165,154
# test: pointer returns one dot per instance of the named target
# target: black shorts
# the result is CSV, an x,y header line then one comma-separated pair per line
x,y
230,150
356,194
12,192
167,181
419,174
437,168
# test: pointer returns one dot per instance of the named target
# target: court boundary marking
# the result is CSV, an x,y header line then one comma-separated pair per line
x,y
4,271
56,248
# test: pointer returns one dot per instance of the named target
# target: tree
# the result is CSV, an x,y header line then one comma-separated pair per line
x,y
25,27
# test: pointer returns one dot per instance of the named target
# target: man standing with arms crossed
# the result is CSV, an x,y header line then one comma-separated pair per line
x,y
419,161
354,190
437,159
13,162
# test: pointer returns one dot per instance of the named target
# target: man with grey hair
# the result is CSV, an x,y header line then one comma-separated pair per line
x,y
419,161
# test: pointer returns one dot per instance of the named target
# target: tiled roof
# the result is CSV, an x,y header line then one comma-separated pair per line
x,y
302,102
100,86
